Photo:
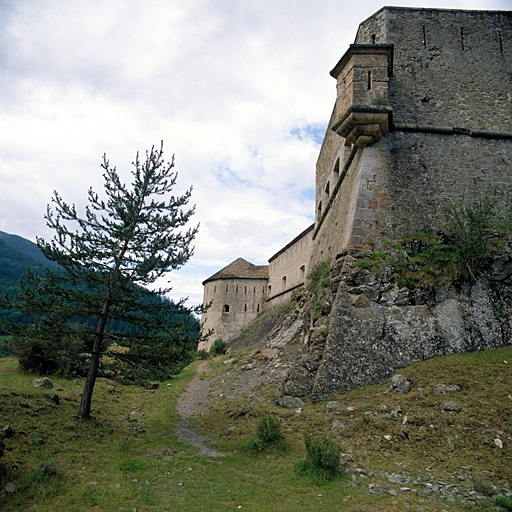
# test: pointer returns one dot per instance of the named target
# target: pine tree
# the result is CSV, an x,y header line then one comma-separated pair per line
x,y
107,258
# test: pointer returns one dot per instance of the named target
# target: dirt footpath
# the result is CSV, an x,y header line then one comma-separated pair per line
x,y
191,403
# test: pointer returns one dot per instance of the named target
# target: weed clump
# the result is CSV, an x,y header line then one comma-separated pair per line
x,y
203,355
218,348
504,503
42,483
319,277
322,462
268,434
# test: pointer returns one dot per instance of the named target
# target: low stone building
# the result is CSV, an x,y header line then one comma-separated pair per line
x,y
233,297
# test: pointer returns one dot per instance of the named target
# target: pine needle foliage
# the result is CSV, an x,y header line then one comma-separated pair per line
x,y
127,238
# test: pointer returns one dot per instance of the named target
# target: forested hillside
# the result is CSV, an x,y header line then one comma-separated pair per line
x,y
16,254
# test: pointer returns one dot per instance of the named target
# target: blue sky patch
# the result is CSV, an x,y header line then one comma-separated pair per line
x,y
314,132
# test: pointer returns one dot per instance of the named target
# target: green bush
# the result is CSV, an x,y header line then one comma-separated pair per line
x,y
504,502
203,354
319,277
475,234
268,433
218,348
480,230
322,461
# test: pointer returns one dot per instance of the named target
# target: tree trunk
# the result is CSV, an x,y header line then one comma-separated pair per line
x,y
85,403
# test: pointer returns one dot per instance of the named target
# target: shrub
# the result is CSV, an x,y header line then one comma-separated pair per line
x,y
480,230
322,461
269,428
218,348
319,276
203,354
268,433
504,503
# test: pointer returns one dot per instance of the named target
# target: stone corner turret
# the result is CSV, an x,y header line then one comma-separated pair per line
x,y
362,112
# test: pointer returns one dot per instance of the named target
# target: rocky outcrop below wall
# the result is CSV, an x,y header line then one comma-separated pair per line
x,y
376,327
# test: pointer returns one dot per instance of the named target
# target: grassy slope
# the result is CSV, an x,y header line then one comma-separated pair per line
x,y
110,464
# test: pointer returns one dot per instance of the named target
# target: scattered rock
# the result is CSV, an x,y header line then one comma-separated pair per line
x,y
270,353
10,488
243,410
111,388
442,389
400,384
42,383
499,443
227,362
53,397
337,425
451,406
6,431
395,478
290,402
396,413
333,406
362,301
151,385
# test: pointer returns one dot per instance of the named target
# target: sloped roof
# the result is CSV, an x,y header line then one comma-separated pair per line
x,y
240,269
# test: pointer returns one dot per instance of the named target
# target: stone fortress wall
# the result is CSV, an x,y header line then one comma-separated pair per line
x,y
423,118
288,269
447,96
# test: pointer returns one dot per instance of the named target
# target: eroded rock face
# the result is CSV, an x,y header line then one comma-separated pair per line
x,y
377,327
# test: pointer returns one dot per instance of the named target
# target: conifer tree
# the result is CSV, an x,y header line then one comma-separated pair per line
x,y
107,257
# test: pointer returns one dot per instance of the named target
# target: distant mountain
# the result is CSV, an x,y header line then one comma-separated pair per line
x,y
16,254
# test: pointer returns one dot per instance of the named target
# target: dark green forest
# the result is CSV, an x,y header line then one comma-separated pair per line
x,y
18,254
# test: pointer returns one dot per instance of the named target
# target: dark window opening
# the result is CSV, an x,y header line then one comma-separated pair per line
x,y
336,170
225,308
369,80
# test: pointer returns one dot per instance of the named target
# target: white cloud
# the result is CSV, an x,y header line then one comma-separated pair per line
x,y
240,91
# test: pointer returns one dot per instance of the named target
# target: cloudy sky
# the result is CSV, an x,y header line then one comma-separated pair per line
x,y
238,90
